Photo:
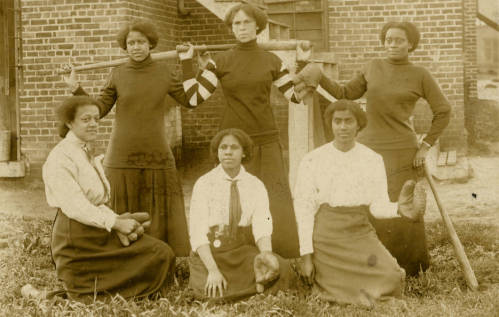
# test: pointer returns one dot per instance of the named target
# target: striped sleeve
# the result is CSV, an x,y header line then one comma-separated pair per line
x,y
284,82
199,87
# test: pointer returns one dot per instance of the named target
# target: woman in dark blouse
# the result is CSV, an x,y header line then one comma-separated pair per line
x,y
392,87
246,74
139,162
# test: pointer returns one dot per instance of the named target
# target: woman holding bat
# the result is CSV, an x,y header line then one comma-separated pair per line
x,y
246,74
139,162
94,249
230,227
392,87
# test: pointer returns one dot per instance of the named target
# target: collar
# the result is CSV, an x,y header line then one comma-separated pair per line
x,y
248,46
404,61
137,65
221,173
355,146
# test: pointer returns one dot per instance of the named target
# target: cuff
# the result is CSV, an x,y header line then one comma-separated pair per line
x,y
306,247
108,217
427,144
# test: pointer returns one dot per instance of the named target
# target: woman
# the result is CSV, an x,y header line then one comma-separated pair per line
x,y
229,214
139,162
95,251
246,74
392,87
338,185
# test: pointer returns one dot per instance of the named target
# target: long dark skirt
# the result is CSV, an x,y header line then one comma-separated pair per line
x,y
234,258
352,266
269,166
405,240
158,192
89,259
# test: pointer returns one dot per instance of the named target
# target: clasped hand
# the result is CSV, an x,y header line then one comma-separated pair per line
x,y
130,227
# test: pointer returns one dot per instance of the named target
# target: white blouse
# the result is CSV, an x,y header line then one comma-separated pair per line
x,y
210,205
75,186
328,175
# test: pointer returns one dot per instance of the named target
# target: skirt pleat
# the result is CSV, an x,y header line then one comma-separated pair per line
x,y
158,192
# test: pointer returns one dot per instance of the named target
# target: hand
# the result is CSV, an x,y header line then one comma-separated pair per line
x,y
215,281
185,51
70,80
266,268
301,90
412,201
203,59
420,157
307,269
125,225
310,75
303,51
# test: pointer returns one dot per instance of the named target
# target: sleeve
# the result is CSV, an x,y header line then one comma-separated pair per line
x,y
305,205
198,215
380,206
332,91
63,191
261,219
283,80
107,96
439,106
201,87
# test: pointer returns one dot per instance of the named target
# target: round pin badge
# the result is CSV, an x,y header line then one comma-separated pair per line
x,y
217,243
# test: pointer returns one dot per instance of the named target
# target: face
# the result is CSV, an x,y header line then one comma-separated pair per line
x,y
345,127
85,123
244,27
137,46
397,45
230,152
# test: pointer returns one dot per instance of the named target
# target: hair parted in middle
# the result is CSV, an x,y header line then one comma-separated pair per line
x,y
67,110
145,28
344,104
241,136
252,11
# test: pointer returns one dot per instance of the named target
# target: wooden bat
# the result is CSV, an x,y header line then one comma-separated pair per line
x,y
469,275
268,46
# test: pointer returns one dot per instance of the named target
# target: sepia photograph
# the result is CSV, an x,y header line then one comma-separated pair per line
x,y
249,158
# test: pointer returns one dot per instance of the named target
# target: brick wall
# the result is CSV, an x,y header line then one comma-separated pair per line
x,y
59,31
354,27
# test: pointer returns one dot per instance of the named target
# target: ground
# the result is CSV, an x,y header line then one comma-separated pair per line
x,y
25,220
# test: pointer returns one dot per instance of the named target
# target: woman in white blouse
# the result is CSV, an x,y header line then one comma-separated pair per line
x,y
337,186
93,248
229,214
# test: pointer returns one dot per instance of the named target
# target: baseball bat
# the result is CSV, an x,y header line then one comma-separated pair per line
x,y
469,275
268,46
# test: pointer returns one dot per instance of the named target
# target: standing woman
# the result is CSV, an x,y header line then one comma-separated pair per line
x,y
139,162
393,86
246,74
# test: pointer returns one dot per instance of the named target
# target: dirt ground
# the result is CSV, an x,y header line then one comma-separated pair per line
x,y
476,200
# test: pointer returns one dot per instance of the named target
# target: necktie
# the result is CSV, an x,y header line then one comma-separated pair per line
x,y
234,208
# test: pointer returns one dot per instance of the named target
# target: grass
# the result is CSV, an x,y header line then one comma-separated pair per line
x,y
441,291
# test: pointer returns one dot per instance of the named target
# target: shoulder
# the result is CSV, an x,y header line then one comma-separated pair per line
x,y
59,157
317,153
368,154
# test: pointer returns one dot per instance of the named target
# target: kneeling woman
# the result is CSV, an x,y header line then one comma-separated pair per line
x,y
94,249
229,213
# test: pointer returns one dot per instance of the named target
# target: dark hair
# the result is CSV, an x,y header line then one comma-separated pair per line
x,y
145,28
240,135
341,105
67,110
252,11
410,29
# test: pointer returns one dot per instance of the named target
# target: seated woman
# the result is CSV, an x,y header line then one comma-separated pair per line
x,y
94,249
337,186
229,213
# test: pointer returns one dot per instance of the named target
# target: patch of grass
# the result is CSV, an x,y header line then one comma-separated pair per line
x,y
441,291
